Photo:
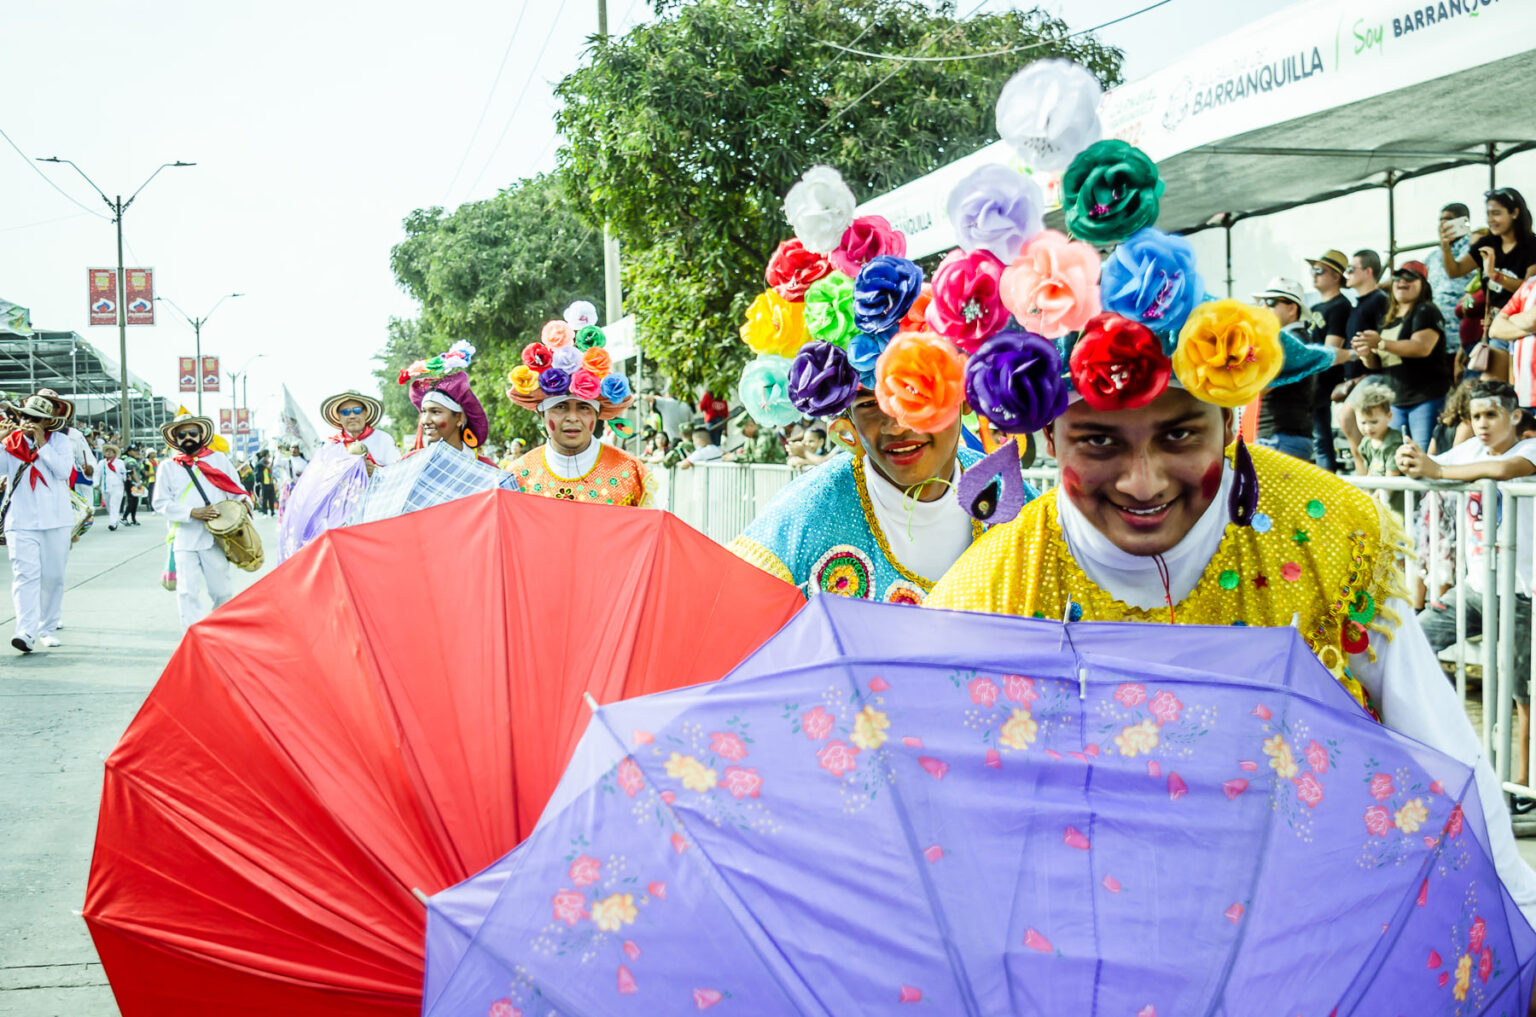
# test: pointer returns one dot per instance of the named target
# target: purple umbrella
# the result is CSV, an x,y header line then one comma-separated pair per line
x,y
994,815
324,497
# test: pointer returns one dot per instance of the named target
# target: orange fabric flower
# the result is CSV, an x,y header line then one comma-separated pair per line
x,y
557,334
598,361
1228,352
916,319
920,381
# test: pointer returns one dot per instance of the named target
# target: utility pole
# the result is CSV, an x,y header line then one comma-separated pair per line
x,y
197,331
118,207
613,296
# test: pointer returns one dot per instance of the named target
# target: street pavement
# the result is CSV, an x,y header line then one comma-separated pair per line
x,y
61,713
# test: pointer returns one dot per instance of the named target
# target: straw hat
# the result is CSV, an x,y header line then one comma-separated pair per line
x,y
52,409
205,425
373,409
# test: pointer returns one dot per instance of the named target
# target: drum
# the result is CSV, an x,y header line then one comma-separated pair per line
x,y
236,535
83,518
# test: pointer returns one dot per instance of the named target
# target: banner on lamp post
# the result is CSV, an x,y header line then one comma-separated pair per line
x,y
210,374
101,286
226,422
187,373
140,295
242,421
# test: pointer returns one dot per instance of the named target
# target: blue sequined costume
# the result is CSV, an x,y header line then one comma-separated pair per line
x,y
821,534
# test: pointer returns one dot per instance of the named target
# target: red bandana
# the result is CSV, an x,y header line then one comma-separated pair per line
x,y
16,445
347,439
217,477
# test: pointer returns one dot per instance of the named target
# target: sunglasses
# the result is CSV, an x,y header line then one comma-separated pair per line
x,y
1274,301
354,411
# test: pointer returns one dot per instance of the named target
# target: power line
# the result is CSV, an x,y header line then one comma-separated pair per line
x,y
49,180
488,97
45,222
995,52
532,71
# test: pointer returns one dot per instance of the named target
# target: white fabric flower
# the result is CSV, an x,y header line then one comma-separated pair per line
x,y
1049,112
567,358
996,209
581,314
820,208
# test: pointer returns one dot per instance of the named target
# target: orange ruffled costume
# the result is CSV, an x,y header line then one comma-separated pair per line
x,y
617,478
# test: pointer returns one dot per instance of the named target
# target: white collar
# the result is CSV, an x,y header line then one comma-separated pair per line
x,y
572,467
1134,579
895,503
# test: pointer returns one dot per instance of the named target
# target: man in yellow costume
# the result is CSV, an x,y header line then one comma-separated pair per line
x,y
568,379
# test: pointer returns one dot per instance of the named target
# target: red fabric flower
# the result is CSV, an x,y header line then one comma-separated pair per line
x,y
537,356
792,269
1118,364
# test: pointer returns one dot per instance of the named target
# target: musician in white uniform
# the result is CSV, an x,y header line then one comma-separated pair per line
x,y
36,461
113,474
354,416
187,486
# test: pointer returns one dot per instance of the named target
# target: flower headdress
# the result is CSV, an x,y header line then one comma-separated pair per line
x,y
443,380
570,360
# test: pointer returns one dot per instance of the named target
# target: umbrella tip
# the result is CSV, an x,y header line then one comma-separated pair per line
x,y
1296,621
591,703
416,892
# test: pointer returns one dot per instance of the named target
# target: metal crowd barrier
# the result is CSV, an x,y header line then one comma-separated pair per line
x,y
721,499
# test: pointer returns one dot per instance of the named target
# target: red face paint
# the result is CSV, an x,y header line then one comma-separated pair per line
x,y
1072,482
1211,482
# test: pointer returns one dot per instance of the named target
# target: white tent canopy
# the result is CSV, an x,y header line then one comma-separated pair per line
x,y
1316,100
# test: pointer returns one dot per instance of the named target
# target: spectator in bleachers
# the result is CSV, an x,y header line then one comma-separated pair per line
x,y
1506,257
1496,454
1329,321
759,447
1370,309
1410,349
1455,237
1517,318
704,448
1379,440
1285,412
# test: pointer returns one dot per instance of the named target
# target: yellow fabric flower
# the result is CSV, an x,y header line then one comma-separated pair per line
x,y
1019,731
1411,816
1228,352
694,774
1137,738
524,381
775,325
1463,977
614,912
1280,758
869,728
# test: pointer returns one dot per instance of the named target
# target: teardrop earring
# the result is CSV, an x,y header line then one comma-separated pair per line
x,y
992,491
842,431
470,441
1243,502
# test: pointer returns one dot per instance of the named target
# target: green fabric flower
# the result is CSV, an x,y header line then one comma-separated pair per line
x,y
829,310
1110,191
589,337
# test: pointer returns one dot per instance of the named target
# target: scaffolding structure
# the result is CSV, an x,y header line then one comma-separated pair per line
x,y
67,363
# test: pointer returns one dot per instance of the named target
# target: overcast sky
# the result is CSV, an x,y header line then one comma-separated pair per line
x,y
317,127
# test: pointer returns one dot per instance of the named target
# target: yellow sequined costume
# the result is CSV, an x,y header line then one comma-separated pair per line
x,y
1318,548
616,478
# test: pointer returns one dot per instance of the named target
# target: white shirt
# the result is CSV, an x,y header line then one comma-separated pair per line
x,y
176,496
1405,681
44,505
572,467
382,447
1474,451
112,474
707,454
927,537
81,450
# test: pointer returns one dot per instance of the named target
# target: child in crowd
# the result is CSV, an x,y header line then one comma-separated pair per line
x,y
1498,453
1379,441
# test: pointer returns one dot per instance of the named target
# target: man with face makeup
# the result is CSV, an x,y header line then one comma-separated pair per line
x,y
1160,518
187,486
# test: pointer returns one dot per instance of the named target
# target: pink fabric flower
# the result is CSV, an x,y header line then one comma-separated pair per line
x,y
1165,706
557,334
966,307
868,237
1378,821
570,906
741,782
729,745
837,758
816,723
586,385
1129,694
1317,757
1475,938
983,692
631,780
1381,787
1020,689
585,870
1052,287
1308,789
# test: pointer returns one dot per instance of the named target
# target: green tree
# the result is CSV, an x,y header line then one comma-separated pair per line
x,y
492,272
686,133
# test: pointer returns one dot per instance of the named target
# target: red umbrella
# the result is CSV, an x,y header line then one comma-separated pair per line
x,y
389,710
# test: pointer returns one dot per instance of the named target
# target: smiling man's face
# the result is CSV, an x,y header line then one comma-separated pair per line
x,y
1142,477
902,456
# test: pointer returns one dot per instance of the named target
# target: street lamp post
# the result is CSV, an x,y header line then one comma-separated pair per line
x,y
118,207
235,379
197,331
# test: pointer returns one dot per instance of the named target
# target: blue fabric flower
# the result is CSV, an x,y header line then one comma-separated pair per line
x,y
615,388
863,352
884,292
1152,278
554,381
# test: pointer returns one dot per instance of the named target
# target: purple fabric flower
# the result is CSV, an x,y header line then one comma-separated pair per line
x,y
996,209
615,388
554,381
884,292
1152,278
863,353
1015,381
822,382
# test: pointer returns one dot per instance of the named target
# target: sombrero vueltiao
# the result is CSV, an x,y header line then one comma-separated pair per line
x,y
51,408
373,408
205,425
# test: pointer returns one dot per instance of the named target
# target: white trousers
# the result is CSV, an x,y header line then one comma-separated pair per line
x,y
37,578
113,502
196,571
